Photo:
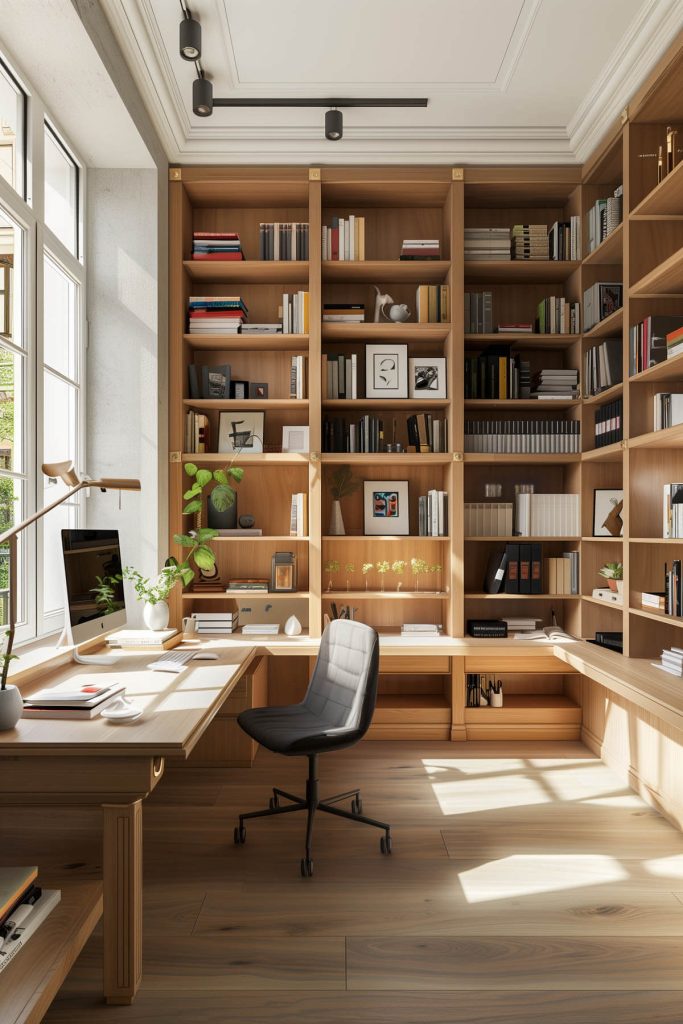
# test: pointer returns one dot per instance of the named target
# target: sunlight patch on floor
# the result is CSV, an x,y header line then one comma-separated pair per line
x,y
462,796
536,874
665,867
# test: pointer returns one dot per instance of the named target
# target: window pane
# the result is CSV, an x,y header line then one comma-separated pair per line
x,y
11,411
12,101
61,190
60,323
60,437
11,513
11,241
61,518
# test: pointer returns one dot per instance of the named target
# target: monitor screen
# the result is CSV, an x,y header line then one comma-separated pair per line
x,y
94,590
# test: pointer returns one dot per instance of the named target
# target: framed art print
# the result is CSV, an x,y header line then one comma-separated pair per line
x,y
386,371
241,431
385,507
427,377
258,390
607,505
295,439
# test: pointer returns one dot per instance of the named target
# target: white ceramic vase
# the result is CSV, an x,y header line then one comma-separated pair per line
x,y
11,707
336,520
292,626
156,616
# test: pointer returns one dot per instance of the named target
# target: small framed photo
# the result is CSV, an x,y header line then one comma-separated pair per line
x,y
608,503
241,431
427,377
386,371
283,572
295,439
385,507
258,390
239,389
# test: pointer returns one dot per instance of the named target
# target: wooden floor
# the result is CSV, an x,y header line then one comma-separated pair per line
x,y
528,885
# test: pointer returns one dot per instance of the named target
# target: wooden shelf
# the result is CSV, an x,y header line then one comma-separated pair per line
x,y
605,396
247,342
529,704
672,437
600,603
523,341
611,325
377,404
669,370
245,459
519,457
234,595
516,539
384,595
388,458
284,538
602,540
666,198
664,279
384,332
521,403
610,251
475,596
237,404
330,537
669,620
610,453
386,271
519,271
248,271
656,540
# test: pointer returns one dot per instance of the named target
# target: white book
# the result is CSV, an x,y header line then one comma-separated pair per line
x,y
41,908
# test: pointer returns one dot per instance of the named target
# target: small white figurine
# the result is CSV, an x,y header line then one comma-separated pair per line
x,y
390,310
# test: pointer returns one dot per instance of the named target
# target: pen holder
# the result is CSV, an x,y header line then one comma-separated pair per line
x,y
496,699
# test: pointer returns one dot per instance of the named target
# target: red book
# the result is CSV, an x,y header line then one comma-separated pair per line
x,y
227,235
217,256
226,313
335,243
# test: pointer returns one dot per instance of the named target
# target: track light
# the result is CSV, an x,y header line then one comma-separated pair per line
x,y
190,38
334,125
202,97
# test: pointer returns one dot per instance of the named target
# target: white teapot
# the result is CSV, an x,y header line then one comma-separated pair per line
x,y
398,312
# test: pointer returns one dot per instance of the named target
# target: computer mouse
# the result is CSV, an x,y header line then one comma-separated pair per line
x,y
205,656
121,711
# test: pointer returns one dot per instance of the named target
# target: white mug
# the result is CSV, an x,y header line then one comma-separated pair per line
x,y
189,624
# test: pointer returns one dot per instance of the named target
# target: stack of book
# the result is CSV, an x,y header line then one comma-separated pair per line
x,y
432,514
648,343
415,629
562,573
421,249
24,905
603,217
343,313
432,304
144,639
261,329
247,586
674,343
564,240
497,374
295,313
197,433
557,315
671,661
602,367
516,327
216,314
344,239
530,242
521,623
553,384
216,245
672,511
487,244
488,519
533,437
340,376
297,377
216,623
487,628
298,515
209,381
601,300
261,629
426,433
70,700
547,515
478,312
609,426
283,241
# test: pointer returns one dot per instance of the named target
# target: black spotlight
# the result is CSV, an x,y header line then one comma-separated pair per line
x,y
334,125
202,97
190,39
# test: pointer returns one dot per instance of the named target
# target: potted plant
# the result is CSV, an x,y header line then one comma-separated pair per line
x,y
222,498
154,592
11,704
342,484
418,566
613,572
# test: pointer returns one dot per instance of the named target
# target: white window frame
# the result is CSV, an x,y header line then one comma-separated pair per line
x,y
28,212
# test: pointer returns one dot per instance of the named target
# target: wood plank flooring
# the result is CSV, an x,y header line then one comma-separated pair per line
x,y
528,884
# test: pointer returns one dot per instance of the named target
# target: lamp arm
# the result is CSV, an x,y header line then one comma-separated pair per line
x,y
14,530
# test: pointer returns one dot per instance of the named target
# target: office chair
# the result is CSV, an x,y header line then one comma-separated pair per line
x,y
335,713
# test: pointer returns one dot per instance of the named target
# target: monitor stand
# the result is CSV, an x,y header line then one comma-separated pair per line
x,y
65,640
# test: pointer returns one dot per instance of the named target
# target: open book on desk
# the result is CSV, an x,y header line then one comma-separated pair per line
x,y
549,634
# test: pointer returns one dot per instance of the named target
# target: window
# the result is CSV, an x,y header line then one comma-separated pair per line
x,y
12,130
61,191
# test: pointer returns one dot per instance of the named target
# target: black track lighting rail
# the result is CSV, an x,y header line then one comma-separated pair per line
x,y
297,101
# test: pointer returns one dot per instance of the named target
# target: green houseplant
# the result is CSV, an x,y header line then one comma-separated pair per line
x,y
613,572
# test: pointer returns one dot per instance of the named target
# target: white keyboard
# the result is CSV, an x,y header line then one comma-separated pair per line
x,y
172,661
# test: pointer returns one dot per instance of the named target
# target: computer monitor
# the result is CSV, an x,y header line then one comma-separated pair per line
x,y
95,602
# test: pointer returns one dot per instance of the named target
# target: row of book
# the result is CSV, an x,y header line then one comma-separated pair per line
x,y
562,574
478,312
426,433
278,241
432,304
547,515
432,514
557,315
497,374
654,340
522,437
24,905
555,383
609,425
420,249
601,300
216,623
564,239
298,515
604,216
339,376
297,376
487,244
602,367
519,569
673,588
343,313
216,245
488,518
197,433
295,312
671,658
672,511
216,314
344,238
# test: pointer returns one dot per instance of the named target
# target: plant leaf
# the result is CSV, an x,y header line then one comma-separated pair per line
x,y
236,472
192,507
222,497
204,477
190,494
187,575
206,533
204,557
220,476
184,540
191,469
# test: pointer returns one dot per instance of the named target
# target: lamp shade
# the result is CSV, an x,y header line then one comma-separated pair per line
x,y
202,97
190,39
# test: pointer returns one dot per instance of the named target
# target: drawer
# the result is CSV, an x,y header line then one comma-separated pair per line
x,y
413,665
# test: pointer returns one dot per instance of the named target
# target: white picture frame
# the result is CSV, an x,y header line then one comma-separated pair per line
x,y
241,431
386,511
386,371
427,377
296,439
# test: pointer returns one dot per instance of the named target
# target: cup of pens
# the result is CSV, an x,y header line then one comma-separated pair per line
x,y
496,694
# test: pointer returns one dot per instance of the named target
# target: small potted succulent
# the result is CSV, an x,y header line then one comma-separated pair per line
x,y
613,572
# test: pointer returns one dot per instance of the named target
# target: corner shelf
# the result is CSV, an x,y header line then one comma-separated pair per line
x,y
671,437
605,396
247,342
610,250
666,199
609,453
669,370
612,324
664,279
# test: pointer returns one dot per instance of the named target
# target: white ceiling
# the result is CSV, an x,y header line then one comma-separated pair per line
x,y
507,80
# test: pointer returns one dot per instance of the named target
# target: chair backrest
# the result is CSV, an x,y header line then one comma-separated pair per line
x,y
343,688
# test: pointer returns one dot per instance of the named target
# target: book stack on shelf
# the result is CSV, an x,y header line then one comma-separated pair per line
x,y
648,341
674,343
215,623
564,239
343,313
432,514
609,423
557,315
554,384
421,249
340,376
601,300
604,216
521,624
672,603
668,410
488,518
562,574
672,511
216,314
209,381
547,515
24,905
243,585
298,515
478,312
515,327
602,367
497,374
523,437
516,570
483,244
432,304
197,433
297,376
427,433
294,313
671,661
261,328
416,629
283,241
144,639
216,245
530,242
344,239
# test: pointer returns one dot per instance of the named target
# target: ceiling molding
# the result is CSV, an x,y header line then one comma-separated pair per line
x,y
520,34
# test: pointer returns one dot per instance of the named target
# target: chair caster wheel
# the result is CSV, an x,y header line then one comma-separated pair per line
x,y
306,867
356,805
385,844
240,835
274,802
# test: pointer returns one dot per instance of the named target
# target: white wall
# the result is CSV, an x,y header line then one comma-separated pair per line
x,y
126,406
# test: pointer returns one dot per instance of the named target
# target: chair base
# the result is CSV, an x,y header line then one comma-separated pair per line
x,y
312,803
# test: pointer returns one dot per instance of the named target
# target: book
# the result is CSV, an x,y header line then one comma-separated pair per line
x,y
495,572
44,905
283,241
145,639
264,628
344,239
648,341
14,883
523,436
487,628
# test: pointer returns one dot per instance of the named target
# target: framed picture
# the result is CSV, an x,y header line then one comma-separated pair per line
x,y
283,572
385,507
239,389
386,371
427,377
258,390
241,431
295,439
607,505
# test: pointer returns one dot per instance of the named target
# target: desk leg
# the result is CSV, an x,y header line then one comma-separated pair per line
x,y
122,871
